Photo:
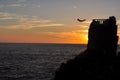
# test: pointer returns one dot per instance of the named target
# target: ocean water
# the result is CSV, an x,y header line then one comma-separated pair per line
x,y
34,61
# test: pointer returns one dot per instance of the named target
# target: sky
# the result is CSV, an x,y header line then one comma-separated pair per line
x,y
52,21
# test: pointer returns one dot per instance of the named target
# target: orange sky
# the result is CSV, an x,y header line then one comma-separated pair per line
x,y
52,21
78,34
27,32
26,36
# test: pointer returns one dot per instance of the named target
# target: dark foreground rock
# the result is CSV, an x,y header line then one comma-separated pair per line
x,y
99,61
88,65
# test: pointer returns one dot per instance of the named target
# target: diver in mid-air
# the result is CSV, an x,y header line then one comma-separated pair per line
x,y
81,20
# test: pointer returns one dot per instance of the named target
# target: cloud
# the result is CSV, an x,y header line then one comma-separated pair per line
x,y
61,35
118,22
9,16
5,16
74,7
38,6
19,1
50,24
82,26
1,6
33,5
2,14
75,36
71,35
82,31
87,22
17,5
25,21
30,26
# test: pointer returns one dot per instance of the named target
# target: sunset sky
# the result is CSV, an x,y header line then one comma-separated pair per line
x,y
52,21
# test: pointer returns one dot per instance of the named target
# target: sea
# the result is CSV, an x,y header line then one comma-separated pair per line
x,y
28,61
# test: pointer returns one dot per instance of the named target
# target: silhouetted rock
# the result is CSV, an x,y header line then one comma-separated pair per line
x,y
103,36
99,60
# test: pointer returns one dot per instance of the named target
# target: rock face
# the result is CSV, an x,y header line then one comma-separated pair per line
x,y
99,60
103,36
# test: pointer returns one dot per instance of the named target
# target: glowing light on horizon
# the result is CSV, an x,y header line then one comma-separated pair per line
x,y
86,37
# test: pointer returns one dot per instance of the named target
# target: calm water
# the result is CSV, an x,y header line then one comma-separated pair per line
x,y
34,61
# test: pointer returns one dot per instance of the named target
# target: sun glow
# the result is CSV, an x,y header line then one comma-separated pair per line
x,y
86,37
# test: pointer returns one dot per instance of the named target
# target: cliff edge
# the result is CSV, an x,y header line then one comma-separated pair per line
x,y
99,61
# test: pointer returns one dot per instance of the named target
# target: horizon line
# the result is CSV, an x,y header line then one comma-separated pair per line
x,y
38,43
